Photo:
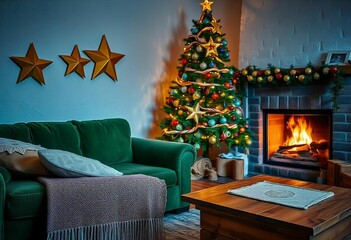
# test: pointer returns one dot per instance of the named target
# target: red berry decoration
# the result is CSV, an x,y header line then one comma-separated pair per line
x,y
214,96
174,122
208,75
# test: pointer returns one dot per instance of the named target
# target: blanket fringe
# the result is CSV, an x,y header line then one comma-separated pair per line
x,y
145,229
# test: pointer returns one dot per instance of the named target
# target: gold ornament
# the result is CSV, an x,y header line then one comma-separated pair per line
x,y
267,72
254,73
223,94
206,5
212,139
293,72
31,66
176,103
259,79
180,112
196,95
286,78
249,78
211,47
75,63
276,70
244,72
104,59
308,70
194,112
301,77
270,78
248,141
316,76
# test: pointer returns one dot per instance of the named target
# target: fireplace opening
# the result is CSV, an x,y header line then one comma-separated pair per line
x,y
298,138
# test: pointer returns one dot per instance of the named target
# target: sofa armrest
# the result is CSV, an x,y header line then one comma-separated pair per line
x,y
5,177
176,156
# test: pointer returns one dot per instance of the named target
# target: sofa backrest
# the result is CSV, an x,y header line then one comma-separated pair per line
x,y
17,131
108,140
56,135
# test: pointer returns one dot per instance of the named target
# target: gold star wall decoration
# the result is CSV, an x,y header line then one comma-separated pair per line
x,y
104,59
31,66
75,63
211,47
206,5
194,112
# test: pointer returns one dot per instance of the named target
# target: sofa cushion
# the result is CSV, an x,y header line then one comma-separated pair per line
x,y
18,131
106,140
21,157
56,135
23,199
66,164
166,174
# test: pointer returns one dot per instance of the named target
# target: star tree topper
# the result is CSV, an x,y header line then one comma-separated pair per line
x,y
75,63
104,59
31,66
206,5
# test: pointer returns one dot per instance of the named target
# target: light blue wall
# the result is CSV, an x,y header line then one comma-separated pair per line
x,y
139,29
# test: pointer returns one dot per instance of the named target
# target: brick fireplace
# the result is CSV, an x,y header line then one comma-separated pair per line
x,y
313,100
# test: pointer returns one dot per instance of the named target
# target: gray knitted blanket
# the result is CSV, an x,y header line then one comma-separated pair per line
x,y
105,208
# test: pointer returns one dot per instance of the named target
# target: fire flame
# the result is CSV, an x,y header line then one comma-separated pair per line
x,y
301,131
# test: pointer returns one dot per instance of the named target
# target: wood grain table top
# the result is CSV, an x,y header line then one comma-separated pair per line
x,y
316,218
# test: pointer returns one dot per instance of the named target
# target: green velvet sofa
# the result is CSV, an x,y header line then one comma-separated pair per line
x,y
23,198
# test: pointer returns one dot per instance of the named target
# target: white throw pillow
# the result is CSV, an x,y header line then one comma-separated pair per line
x,y
67,164
21,157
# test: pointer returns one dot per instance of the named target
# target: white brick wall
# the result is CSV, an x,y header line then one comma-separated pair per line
x,y
286,32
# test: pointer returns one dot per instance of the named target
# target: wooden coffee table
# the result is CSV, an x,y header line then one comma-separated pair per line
x,y
226,216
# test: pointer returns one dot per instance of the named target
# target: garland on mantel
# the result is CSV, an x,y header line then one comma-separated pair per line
x,y
274,76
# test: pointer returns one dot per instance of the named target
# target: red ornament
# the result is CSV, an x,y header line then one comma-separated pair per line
x,y
208,75
279,75
259,72
334,69
227,85
231,107
207,91
191,90
180,74
169,100
214,96
223,136
174,122
184,61
234,80
242,130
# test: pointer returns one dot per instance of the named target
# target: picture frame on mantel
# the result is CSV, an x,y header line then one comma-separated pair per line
x,y
338,58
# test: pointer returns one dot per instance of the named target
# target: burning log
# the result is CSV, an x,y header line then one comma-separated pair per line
x,y
297,157
296,148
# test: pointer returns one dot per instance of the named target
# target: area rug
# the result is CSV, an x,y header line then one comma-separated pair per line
x,y
183,226
291,196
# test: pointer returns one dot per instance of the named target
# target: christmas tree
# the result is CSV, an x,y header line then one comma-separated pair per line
x,y
203,105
